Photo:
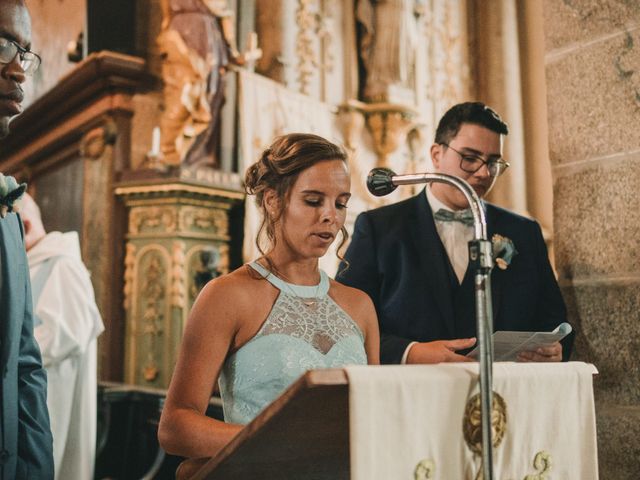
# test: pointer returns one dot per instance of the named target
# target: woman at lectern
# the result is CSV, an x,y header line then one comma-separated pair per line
x,y
257,329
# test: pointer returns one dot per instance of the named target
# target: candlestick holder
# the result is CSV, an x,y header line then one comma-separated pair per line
x,y
155,161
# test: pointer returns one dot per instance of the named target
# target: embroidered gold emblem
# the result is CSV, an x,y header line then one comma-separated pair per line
x,y
471,424
425,470
472,432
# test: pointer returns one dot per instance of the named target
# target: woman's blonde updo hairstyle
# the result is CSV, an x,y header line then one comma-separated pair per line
x,y
278,169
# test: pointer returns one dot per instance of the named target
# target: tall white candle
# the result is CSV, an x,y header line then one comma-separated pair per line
x,y
155,141
252,42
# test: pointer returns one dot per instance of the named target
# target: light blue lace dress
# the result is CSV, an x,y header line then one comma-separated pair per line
x,y
305,330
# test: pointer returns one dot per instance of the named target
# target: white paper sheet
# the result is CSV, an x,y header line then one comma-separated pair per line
x,y
507,344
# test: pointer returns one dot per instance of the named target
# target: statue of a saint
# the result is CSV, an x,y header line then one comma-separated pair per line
x,y
197,43
388,38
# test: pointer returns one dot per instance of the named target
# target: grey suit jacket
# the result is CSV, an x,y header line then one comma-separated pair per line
x,y
25,435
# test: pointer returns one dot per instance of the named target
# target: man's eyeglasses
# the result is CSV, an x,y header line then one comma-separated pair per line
x,y
472,163
9,49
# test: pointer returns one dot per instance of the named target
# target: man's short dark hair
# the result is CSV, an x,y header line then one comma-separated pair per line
x,y
476,113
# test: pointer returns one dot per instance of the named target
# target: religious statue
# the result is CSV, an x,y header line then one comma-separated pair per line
x,y
197,43
388,38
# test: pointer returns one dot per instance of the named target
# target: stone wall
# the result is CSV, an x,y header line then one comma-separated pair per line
x,y
593,83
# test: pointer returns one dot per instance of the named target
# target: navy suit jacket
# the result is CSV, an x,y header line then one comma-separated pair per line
x,y
396,256
26,448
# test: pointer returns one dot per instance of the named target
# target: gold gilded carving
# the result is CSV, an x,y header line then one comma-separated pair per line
x,y
425,470
351,122
388,125
542,464
152,299
209,220
129,263
417,141
323,21
313,48
444,70
304,44
183,188
178,293
152,218
419,158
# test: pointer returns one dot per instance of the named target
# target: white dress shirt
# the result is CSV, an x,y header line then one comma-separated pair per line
x,y
455,237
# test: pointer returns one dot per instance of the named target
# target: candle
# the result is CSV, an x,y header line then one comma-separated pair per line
x,y
252,42
155,142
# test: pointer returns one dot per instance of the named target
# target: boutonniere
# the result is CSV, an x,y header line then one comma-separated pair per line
x,y
503,251
10,193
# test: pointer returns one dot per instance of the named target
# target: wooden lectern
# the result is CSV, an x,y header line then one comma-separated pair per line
x,y
302,434
417,421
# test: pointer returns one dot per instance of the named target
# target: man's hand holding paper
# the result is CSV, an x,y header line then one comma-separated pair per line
x,y
550,353
528,346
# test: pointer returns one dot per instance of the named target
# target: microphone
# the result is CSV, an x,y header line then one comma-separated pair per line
x,y
380,181
383,181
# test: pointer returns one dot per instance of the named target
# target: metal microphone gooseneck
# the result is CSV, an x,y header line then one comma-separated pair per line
x,y
382,181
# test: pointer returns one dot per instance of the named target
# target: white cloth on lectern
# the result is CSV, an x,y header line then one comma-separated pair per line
x,y
402,415
67,325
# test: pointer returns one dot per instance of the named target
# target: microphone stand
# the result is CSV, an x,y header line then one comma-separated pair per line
x,y
382,181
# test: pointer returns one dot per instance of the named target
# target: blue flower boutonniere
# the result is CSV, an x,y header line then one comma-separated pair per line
x,y
10,193
503,251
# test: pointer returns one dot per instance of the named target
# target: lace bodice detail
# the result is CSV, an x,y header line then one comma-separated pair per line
x,y
305,330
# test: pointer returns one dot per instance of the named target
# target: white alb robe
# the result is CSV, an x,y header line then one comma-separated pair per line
x,y
67,325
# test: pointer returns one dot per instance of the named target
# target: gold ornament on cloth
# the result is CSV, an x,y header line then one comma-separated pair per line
x,y
542,464
425,470
472,424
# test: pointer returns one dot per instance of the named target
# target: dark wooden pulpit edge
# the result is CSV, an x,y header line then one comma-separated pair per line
x,y
311,379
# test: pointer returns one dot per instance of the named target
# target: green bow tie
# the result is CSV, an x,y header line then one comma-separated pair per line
x,y
463,216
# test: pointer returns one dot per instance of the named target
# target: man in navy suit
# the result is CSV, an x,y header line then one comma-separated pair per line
x,y
411,257
25,436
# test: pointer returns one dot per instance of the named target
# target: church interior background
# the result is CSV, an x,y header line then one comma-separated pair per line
x,y
141,121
